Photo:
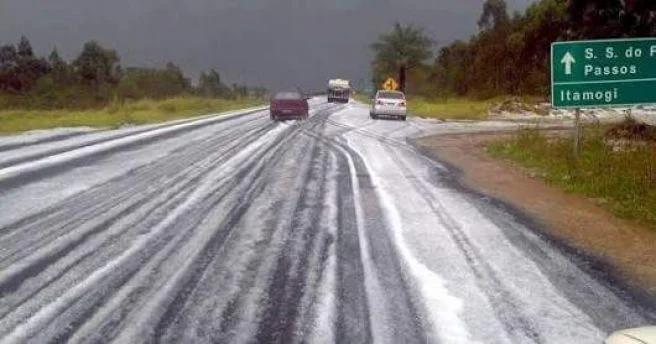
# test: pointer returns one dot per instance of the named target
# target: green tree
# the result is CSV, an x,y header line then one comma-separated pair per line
x,y
544,23
595,18
177,77
258,92
97,65
452,65
60,70
404,48
210,85
495,13
8,63
640,15
153,83
19,68
508,55
611,18
239,90
24,48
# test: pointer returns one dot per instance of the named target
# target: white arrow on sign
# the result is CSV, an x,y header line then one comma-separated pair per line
x,y
568,60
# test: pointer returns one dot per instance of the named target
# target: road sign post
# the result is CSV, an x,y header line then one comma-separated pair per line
x,y
577,133
603,73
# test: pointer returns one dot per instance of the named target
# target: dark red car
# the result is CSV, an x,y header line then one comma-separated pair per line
x,y
289,105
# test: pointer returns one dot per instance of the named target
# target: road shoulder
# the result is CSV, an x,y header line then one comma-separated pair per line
x,y
625,249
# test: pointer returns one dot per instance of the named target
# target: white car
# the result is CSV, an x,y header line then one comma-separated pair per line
x,y
642,335
388,104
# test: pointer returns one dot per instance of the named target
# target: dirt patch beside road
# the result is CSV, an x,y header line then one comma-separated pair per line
x,y
628,247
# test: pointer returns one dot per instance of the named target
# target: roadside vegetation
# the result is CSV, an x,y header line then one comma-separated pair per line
x,y
616,166
450,108
462,108
509,54
363,98
95,90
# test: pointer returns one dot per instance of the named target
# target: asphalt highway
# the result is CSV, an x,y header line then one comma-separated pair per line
x,y
238,229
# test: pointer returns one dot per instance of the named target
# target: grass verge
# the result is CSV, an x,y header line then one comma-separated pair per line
x,y
363,98
451,108
619,175
118,114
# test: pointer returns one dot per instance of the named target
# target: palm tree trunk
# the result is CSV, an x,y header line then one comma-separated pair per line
x,y
402,72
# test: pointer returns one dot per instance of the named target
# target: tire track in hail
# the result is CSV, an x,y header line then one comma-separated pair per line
x,y
144,255
91,297
279,321
76,208
203,122
507,308
317,252
214,247
113,328
350,276
52,139
76,200
140,201
404,321
123,208
73,259
237,301
381,249
352,323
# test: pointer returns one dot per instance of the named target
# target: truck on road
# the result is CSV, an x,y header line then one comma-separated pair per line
x,y
339,91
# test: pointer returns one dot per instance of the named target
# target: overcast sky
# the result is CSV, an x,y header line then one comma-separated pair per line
x,y
274,43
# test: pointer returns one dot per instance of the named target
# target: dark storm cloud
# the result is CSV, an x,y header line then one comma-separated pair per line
x,y
276,43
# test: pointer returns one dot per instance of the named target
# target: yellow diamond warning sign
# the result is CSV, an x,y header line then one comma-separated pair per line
x,y
390,85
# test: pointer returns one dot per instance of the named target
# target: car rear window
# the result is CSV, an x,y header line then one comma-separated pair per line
x,y
288,95
390,95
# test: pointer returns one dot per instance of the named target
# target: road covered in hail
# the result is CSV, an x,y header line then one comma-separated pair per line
x,y
236,229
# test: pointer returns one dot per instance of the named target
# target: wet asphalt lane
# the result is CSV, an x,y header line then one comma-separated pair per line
x,y
238,229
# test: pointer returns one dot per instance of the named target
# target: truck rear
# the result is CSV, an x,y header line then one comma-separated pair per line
x,y
339,91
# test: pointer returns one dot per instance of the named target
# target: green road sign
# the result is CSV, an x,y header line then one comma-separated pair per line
x,y
603,73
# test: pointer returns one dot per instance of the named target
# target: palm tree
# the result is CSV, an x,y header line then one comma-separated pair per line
x,y
403,48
